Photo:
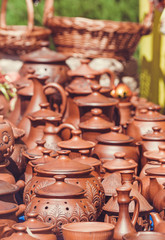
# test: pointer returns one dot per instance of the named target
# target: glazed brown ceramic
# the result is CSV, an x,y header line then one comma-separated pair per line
x,y
93,162
61,203
144,236
159,224
115,141
118,164
90,230
76,143
125,224
77,174
128,179
39,229
144,122
47,62
20,232
96,99
94,126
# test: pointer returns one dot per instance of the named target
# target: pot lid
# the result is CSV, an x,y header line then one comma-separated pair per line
x,y
60,189
86,159
34,224
37,151
7,207
157,135
114,137
7,188
82,86
156,154
96,99
43,55
63,165
160,171
151,115
45,158
119,163
83,70
76,142
45,114
96,121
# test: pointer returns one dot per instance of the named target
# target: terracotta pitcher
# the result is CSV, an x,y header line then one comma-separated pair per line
x,y
40,97
125,224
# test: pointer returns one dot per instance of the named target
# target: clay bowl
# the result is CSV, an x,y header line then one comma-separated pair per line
x,y
144,236
88,231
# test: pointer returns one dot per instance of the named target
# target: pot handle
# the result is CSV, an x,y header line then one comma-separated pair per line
x,y
62,92
136,211
20,210
48,10
30,11
7,231
140,186
111,76
20,184
64,125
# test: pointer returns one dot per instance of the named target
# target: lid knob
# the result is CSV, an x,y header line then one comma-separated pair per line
x,y
156,129
40,143
44,44
95,87
161,147
162,161
151,108
143,111
84,152
120,155
115,129
60,178
89,76
32,214
76,132
63,152
96,111
46,152
44,105
19,228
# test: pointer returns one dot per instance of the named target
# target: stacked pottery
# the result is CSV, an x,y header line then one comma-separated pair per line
x,y
76,173
61,203
129,179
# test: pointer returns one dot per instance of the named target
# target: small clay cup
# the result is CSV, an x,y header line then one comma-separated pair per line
x,y
88,231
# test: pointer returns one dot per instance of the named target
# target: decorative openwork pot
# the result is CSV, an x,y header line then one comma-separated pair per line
x,y
61,203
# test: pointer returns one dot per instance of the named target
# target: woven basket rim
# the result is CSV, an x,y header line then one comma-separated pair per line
x,y
94,24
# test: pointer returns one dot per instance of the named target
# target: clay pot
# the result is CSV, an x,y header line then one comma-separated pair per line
x,y
144,121
9,212
96,99
20,233
153,181
94,126
90,230
115,141
8,190
61,203
93,162
159,224
124,224
77,174
4,230
151,142
76,143
153,157
46,62
128,179
5,174
159,199
143,236
39,229
118,164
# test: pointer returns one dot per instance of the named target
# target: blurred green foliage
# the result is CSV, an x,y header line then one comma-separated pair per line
x,y
118,10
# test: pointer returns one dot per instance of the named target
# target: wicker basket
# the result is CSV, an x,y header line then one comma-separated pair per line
x,y
82,37
16,40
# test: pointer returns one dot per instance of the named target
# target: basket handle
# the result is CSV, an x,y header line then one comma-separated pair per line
x,y
148,20
48,10
30,11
